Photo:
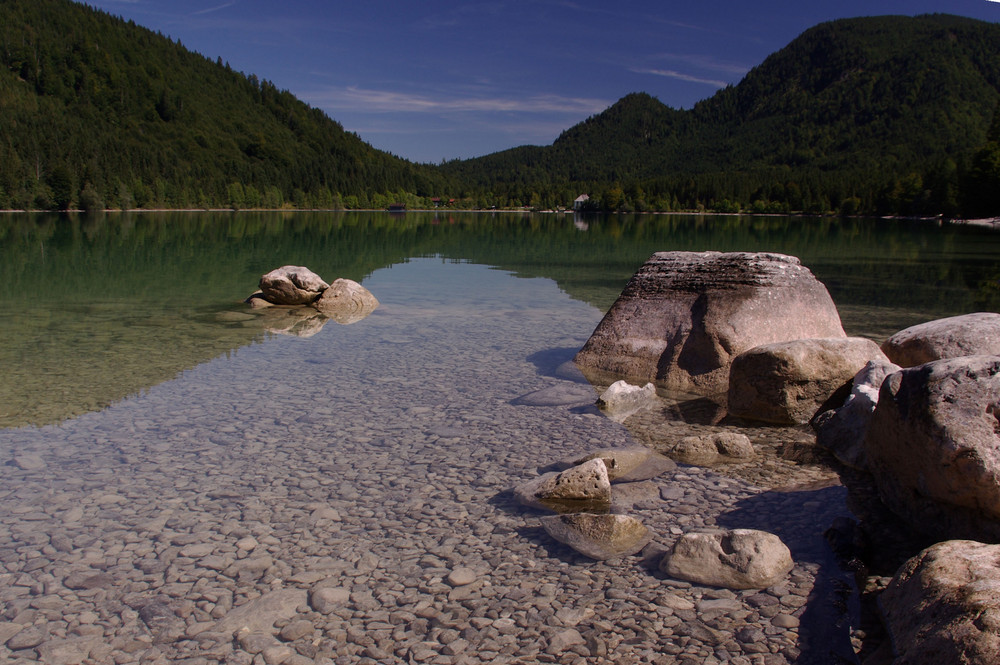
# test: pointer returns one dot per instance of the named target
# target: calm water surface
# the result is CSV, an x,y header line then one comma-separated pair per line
x,y
144,404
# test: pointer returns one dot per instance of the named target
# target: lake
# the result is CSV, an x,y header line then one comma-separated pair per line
x,y
177,469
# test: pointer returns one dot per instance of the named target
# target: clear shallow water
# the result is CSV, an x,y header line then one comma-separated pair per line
x,y
375,457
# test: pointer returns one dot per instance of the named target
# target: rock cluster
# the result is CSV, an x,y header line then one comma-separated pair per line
x,y
296,301
735,559
684,316
928,434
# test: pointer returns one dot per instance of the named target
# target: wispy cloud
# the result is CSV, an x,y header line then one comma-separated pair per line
x,y
214,9
681,76
707,62
388,101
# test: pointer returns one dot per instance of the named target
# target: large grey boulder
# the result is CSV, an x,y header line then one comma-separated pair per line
x,y
967,335
734,559
786,382
684,316
933,447
599,536
943,605
578,488
842,429
346,301
291,285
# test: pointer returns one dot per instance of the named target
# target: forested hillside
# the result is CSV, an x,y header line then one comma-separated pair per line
x,y
96,111
886,114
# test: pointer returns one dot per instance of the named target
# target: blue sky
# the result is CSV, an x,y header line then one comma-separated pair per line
x,y
441,79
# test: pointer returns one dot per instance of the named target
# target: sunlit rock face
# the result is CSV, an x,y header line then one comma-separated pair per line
x,y
291,285
346,301
684,316
786,382
967,335
933,447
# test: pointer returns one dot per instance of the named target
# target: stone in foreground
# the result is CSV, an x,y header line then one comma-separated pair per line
x,y
684,316
626,465
734,559
943,606
786,382
599,536
715,448
967,335
346,301
291,285
585,485
933,447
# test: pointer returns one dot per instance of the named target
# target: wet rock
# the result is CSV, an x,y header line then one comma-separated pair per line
x,y
585,484
967,335
626,465
943,606
259,615
461,577
842,429
933,447
327,599
622,399
301,322
563,640
684,316
163,622
292,285
786,382
28,462
84,580
715,448
734,559
599,536
69,651
29,638
562,394
346,302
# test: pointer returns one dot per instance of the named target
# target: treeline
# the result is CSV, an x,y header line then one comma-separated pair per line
x,y
886,115
99,112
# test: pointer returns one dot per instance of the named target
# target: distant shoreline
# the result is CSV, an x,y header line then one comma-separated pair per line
x,y
987,222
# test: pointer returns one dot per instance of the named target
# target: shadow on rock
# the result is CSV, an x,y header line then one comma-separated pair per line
x,y
557,363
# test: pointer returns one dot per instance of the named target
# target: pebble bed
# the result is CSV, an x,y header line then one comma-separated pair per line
x,y
346,499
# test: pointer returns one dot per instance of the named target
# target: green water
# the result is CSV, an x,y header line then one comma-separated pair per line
x,y
94,309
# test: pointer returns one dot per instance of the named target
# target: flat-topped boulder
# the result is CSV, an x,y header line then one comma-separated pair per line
x,y
684,316
967,335
582,487
933,447
943,606
786,382
291,285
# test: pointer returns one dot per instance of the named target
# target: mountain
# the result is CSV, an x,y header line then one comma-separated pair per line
x,y
878,114
99,111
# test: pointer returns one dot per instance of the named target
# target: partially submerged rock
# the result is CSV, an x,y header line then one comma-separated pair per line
x,y
684,316
291,285
626,465
933,447
622,399
953,337
346,301
842,429
714,448
599,536
581,487
943,605
786,382
734,559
